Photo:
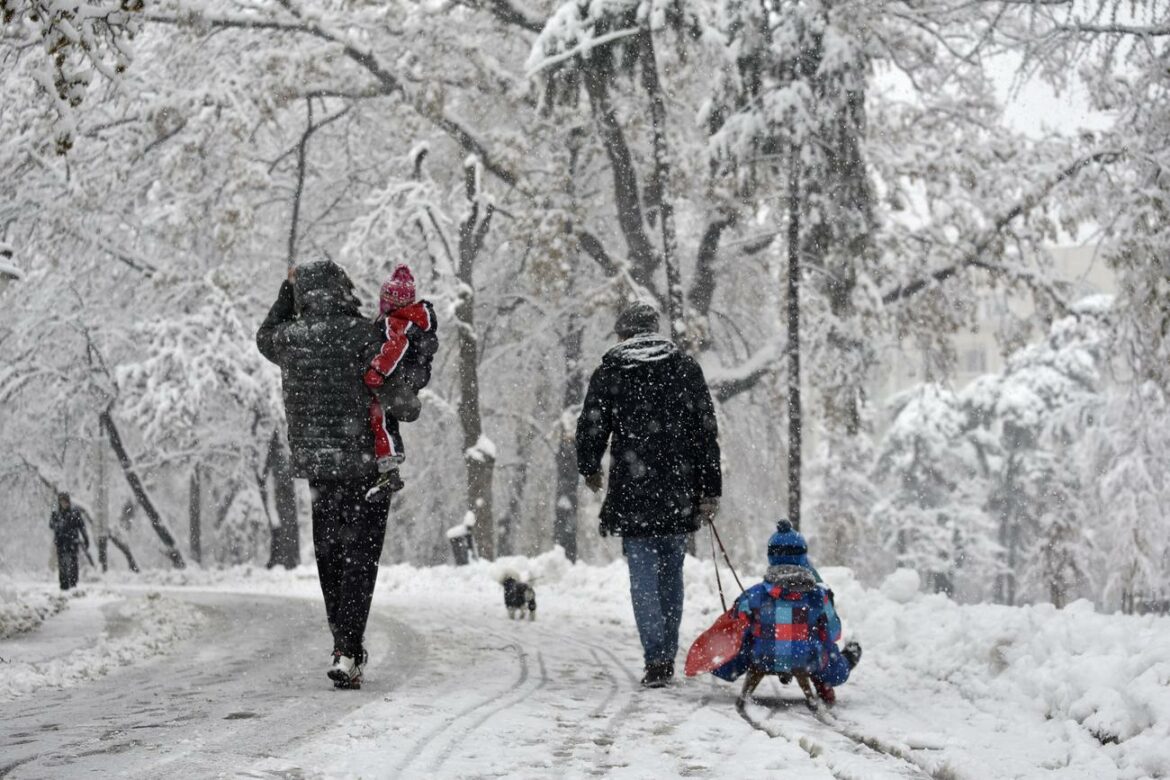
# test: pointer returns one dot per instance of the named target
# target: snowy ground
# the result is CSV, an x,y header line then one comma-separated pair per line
x,y
227,681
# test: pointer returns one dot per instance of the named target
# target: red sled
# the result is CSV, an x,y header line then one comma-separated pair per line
x,y
718,644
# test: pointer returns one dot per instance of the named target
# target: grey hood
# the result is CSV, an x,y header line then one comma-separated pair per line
x,y
790,577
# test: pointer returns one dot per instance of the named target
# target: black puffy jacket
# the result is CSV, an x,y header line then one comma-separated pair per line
x,y
317,335
650,403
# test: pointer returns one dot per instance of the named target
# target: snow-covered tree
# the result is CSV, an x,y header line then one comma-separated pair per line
x,y
1126,458
1034,414
933,483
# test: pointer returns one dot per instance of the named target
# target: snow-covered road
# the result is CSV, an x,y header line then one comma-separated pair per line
x,y
235,691
454,689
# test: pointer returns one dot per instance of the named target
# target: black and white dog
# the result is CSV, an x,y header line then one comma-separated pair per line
x,y
518,596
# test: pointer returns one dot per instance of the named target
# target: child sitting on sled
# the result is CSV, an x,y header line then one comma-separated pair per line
x,y
401,368
786,625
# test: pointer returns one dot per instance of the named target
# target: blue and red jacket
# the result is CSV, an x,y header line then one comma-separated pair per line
x,y
791,624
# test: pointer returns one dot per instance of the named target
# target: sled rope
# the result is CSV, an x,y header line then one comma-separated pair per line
x,y
715,561
715,535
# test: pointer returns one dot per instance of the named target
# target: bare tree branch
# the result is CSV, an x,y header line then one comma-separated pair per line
x,y
703,284
625,182
1115,29
592,246
507,13
975,258
388,82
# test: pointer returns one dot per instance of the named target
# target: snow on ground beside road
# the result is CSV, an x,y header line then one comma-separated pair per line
x,y
943,690
95,632
23,609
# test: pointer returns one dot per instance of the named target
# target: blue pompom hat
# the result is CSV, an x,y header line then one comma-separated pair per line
x,y
787,546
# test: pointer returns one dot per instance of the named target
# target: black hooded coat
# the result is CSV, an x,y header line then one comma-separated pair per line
x,y
317,335
650,404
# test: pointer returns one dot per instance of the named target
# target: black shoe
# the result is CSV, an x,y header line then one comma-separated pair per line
x,y
658,675
387,484
852,653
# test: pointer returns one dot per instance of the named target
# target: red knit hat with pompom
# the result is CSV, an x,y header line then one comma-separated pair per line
x,y
398,290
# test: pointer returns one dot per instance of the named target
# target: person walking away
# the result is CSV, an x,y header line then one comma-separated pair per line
x,y
648,402
68,526
316,334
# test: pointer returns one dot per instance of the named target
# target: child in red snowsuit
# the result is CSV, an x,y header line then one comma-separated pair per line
x,y
401,368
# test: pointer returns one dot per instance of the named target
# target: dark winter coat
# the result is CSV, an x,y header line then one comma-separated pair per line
x,y
317,335
68,528
650,404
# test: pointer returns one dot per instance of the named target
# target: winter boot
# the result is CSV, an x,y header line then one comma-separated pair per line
x,y
346,671
658,674
827,694
852,653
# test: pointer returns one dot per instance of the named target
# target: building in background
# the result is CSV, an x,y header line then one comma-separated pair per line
x,y
980,351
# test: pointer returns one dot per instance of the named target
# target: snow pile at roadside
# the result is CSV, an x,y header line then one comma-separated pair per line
x,y
23,609
152,624
1108,675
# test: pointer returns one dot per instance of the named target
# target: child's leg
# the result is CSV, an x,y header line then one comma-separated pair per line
x,y
385,432
397,449
836,671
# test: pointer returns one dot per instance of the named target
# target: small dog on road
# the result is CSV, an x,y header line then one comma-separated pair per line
x,y
518,596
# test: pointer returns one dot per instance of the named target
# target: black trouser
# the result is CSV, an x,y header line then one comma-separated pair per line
x,y
67,565
347,534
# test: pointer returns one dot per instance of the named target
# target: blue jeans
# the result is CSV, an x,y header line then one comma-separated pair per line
x,y
656,590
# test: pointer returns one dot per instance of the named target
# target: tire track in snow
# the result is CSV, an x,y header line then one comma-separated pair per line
x,y
612,668
487,714
447,728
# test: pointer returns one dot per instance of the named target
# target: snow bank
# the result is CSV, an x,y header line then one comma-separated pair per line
x,y
902,586
23,609
1109,675
148,626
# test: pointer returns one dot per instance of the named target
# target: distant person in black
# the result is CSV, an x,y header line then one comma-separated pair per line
x,y
317,335
68,526
649,403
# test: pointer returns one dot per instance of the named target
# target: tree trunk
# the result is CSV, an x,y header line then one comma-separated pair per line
x,y
195,515
478,457
298,191
125,550
674,288
136,487
1005,581
793,346
568,500
625,181
285,539
525,437
567,503
101,510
